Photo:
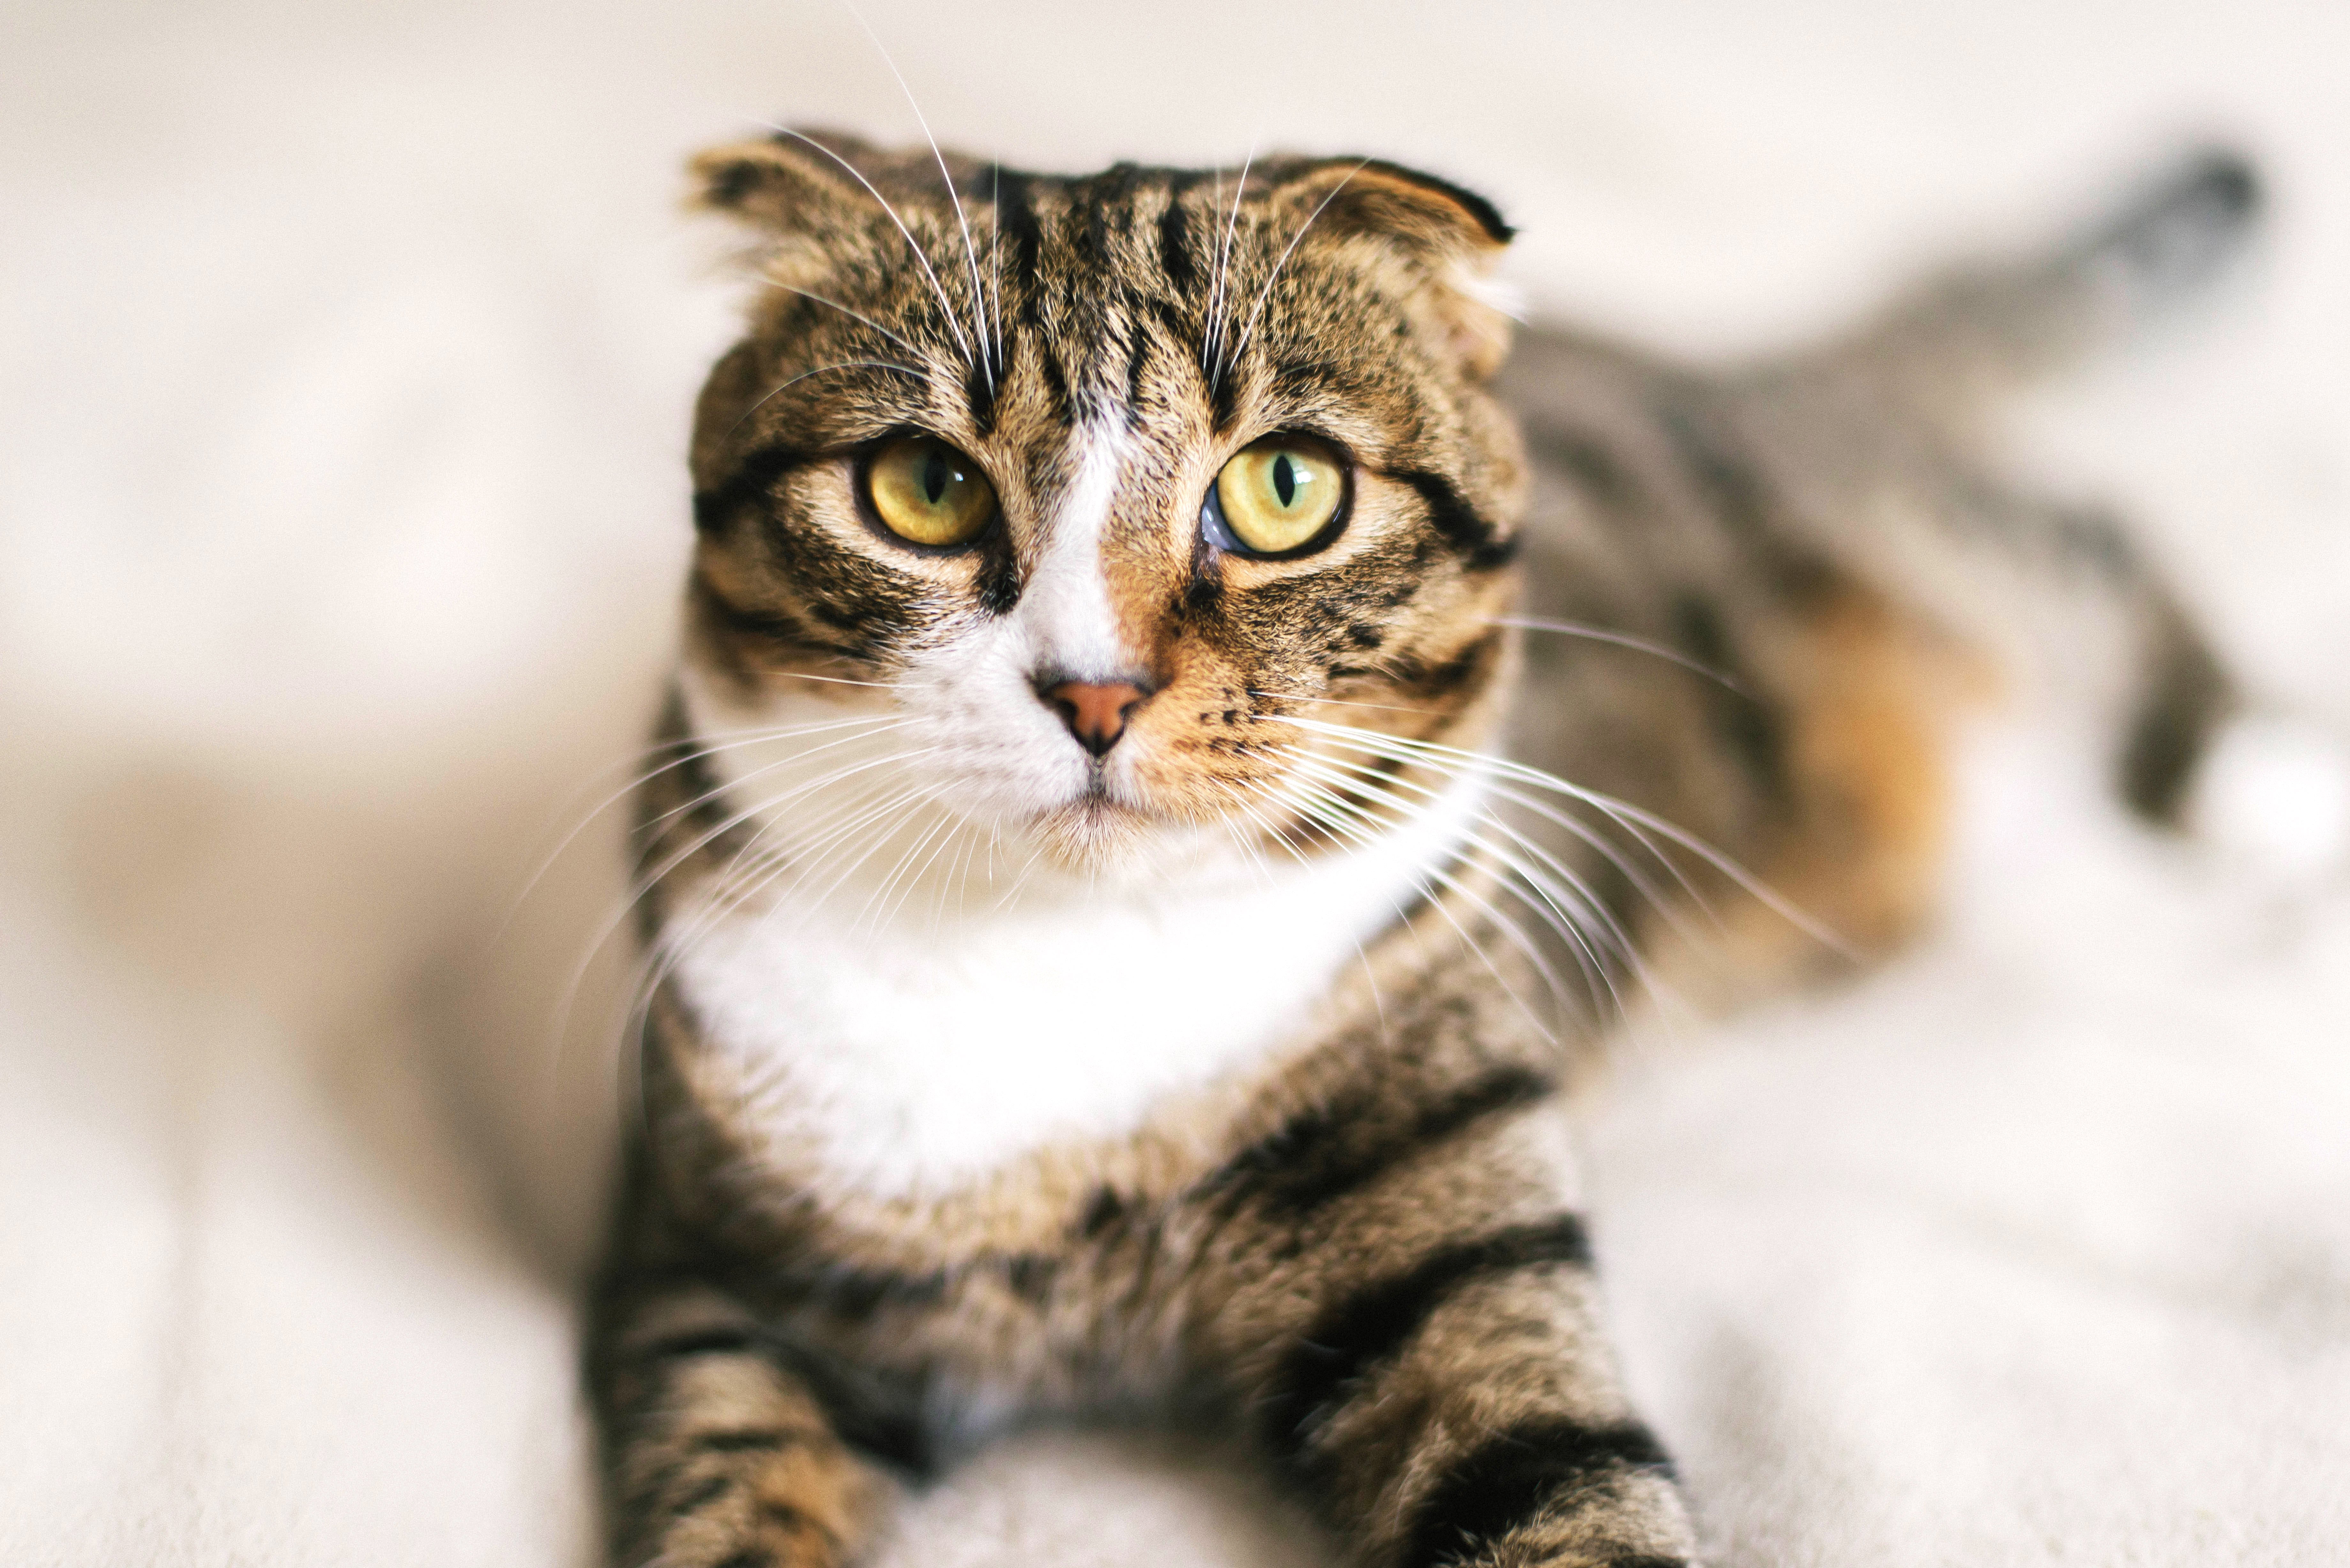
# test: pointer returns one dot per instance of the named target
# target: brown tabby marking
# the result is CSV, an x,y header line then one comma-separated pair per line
x,y
1869,754
1360,1240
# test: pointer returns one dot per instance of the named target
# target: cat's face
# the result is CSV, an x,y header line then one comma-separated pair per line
x,y
1053,531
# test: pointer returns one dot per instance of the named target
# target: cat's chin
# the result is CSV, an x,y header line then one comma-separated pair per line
x,y
1105,838
1114,845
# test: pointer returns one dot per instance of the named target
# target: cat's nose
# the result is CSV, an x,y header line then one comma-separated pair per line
x,y
1094,715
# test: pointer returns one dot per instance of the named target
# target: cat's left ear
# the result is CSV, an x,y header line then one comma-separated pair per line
x,y
1456,234
798,196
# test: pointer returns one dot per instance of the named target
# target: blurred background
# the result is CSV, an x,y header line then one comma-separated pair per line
x,y
346,354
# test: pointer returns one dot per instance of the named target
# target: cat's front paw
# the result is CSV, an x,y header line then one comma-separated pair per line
x,y
756,1498
746,1532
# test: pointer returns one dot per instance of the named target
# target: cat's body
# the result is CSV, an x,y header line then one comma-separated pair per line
x,y
1100,960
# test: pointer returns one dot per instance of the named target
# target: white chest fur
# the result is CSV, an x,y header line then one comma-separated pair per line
x,y
912,1058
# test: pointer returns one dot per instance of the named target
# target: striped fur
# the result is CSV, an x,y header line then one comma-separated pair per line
x,y
985,1073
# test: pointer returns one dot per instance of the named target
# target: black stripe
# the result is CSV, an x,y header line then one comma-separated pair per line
x,y
1171,316
1480,545
1734,490
734,181
701,1342
1376,1321
980,384
1105,1209
783,1514
773,625
1109,199
881,1414
753,481
1223,388
859,1293
2185,697
1591,464
703,809
1300,380
1015,217
1755,730
1056,382
1178,328
745,1440
1138,361
1032,1275
749,1557
998,581
703,1496
1508,1480
1204,593
1174,243
1432,682
1331,1149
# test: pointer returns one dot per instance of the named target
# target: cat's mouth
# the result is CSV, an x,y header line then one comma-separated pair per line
x,y
1102,830
1094,814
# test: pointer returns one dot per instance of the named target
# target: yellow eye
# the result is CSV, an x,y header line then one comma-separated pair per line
x,y
926,492
1278,495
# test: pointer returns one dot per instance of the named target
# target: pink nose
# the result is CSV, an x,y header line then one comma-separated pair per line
x,y
1095,716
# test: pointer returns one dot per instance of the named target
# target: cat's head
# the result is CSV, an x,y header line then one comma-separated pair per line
x,y
1068,507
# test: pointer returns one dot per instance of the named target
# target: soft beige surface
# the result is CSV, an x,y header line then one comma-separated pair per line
x,y
344,362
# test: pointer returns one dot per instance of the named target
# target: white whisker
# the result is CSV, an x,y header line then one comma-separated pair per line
x,y
942,829
1339,822
1358,779
645,882
857,316
1219,290
977,298
834,679
660,958
1620,639
843,365
945,304
1341,702
687,750
1623,813
1264,294
1265,873
1333,803
739,889
995,258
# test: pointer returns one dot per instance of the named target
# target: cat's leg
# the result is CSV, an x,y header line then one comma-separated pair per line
x,y
1415,1325
1457,1404
721,1450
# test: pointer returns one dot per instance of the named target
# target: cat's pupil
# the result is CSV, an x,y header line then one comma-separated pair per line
x,y
1285,479
935,477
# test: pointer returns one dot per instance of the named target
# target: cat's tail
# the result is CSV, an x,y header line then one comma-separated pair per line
x,y
2196,751
1974,331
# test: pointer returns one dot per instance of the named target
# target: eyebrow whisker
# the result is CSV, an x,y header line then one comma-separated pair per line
x,y
945,304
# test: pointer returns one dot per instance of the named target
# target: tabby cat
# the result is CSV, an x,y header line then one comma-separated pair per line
x,y
1177,750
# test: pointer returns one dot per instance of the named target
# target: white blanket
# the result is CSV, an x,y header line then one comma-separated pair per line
x,y
345,356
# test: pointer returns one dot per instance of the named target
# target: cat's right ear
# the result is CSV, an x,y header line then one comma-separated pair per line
x,y
1456,234
794,192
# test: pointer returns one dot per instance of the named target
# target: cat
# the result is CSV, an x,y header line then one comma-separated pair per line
x,y
1185,736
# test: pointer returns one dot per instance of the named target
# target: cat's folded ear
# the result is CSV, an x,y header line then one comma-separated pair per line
x,y
1456,234
794,191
